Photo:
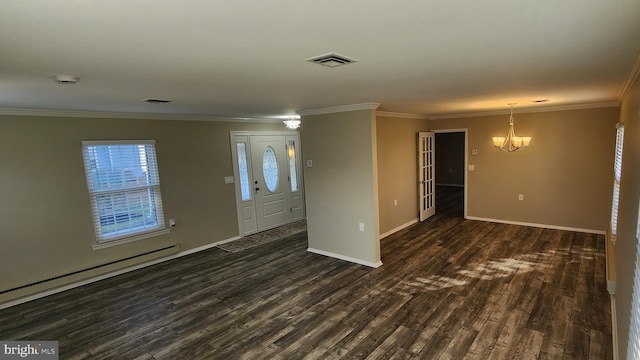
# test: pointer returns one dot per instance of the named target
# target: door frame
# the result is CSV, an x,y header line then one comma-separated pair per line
x,y
466,159
426,174
236,175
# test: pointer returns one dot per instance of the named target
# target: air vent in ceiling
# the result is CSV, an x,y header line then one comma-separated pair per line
x,y
65,79
332,60
156,101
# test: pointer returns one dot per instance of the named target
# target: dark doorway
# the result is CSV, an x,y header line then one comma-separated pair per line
x,y
450,173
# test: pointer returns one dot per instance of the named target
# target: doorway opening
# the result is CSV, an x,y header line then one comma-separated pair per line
x,y
450,175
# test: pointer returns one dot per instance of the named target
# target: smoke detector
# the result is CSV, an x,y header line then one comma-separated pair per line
x,y
332,60
65,79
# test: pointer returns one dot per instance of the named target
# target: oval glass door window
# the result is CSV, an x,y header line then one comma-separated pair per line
x,y
270,169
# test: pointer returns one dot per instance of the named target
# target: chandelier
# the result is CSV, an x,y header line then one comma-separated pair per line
x,y
512,142
292,123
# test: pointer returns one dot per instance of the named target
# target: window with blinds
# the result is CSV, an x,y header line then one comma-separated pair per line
x,y
633,351
124,186
617,174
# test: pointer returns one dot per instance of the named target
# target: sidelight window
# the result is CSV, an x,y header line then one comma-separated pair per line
x,y
243,170
293,171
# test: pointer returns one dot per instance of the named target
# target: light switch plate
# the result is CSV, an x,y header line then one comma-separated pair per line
x,y
309,163
472,167
474,152
228,179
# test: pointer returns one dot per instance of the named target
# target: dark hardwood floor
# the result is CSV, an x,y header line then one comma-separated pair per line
x,y
449,289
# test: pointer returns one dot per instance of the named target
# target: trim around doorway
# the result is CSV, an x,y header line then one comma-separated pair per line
x,y
234,137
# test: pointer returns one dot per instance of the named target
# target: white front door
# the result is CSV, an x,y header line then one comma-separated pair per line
x,y
268,179
269,164
427,173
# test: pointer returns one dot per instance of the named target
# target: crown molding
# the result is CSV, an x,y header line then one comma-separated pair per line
x,y
339,109
127,115
402,115
527,110
631,79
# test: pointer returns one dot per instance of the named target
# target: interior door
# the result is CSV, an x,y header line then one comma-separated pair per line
x,y
426,174
268,153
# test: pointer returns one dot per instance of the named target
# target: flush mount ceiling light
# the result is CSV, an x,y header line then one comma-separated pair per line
x,y
332,60
292,123
511,143
65,79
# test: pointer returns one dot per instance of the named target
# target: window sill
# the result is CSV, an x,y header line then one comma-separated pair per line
x,y
108,244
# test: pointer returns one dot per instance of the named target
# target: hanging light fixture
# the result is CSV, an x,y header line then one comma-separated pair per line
x,y
512,142
292,123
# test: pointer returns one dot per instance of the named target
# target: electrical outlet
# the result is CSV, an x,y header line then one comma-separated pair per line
x,y
520,197
172,222
395,202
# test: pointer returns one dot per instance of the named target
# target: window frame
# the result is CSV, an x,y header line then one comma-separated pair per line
x,y
149,167
633,346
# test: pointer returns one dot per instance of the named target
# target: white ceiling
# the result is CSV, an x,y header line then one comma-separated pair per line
x,y
247,58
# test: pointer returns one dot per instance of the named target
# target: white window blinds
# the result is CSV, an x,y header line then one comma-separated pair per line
x,y
633,350
617,174
124,186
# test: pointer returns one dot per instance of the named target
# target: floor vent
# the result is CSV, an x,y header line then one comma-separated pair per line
x,y
332,60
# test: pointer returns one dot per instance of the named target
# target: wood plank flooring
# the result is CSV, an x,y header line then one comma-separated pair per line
x,y
449,289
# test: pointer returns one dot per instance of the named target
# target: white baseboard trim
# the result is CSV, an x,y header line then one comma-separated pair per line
x,y
396,229
345,258
25,299
556,227
614,328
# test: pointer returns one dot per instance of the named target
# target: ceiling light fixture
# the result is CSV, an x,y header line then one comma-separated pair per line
x,y
512,142
292,123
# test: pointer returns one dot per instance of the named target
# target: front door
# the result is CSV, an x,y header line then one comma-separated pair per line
x,y
268,179
427,174
269,165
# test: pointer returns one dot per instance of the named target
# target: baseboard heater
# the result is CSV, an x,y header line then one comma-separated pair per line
x,y
146,256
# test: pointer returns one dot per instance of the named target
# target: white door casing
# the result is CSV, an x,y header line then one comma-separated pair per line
x,y
426,174
266,199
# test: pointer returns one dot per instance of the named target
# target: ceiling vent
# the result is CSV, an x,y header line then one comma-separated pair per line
x,y
332,60
156,101
65,79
